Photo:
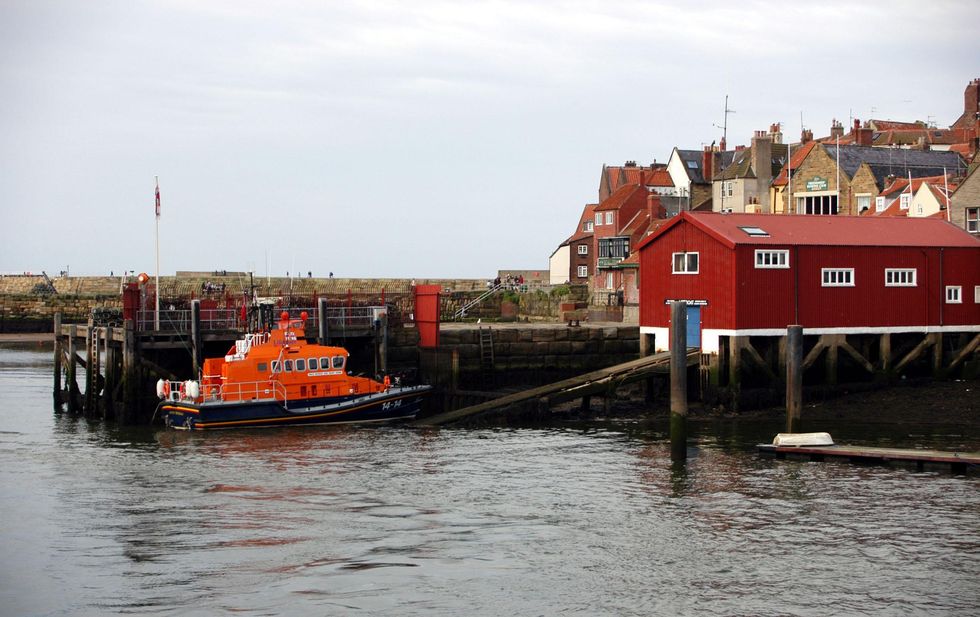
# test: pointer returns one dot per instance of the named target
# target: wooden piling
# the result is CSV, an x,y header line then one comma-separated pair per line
x,y
71,375
383,346
130,376
58,351
323,329
196,343
678,381
794,377
89,405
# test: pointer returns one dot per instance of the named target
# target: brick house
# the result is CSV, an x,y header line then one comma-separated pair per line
x,y
572,261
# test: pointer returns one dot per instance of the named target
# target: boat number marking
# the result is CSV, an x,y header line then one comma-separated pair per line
x,y
391,404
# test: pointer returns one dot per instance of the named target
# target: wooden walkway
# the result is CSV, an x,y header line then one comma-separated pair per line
x,y
600,382
957,461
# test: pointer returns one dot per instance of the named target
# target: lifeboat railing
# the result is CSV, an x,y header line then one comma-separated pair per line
x,y
264,390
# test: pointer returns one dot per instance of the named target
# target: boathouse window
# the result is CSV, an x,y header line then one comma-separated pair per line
x,y
685,263
837,277
900,277
275,366
954,294
300,364
976,294
772,259
288,365
262,367
338,361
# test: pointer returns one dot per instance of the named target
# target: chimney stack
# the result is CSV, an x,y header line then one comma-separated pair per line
x,y
762,165
836,129
706,163
806,136
655,208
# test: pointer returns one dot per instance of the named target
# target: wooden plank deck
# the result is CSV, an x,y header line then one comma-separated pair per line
x,y
595,382
958,461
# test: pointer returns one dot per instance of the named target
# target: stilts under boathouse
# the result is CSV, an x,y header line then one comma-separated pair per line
x,y
876,297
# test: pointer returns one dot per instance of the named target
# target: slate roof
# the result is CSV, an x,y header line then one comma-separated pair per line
x,y
693,161
885,162
741,165
801,230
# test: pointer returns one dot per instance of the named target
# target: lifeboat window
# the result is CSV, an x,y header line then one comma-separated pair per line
x,y
300,364
338,361
288,365
262,367
312,364
324,363
275,366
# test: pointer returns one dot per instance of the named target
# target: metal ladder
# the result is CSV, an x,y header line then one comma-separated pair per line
x,y
486,351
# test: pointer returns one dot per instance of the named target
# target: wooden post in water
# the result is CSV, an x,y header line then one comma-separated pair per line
x,y
71,385
90,368
196,342
57,361
383,348
130,377
323,331
794,377
678,381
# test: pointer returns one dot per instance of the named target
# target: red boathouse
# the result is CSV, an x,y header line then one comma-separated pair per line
x,y
755,274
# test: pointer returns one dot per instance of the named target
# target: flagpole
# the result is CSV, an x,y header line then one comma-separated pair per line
x,y
156,312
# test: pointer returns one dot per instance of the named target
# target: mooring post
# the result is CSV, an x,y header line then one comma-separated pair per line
x,y
71,385
130,381
323,332
383,348
89,405
57,361
196,343
794,377
586,404
454,368
108,380
678,381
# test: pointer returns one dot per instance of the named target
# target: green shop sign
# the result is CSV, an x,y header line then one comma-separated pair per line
x,y
816,184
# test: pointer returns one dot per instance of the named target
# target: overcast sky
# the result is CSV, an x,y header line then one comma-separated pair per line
x,y
410,139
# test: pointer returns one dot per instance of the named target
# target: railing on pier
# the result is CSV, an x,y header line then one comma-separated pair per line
x,y
179,320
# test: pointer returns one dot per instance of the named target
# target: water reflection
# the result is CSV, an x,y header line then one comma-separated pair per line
x,y
584,517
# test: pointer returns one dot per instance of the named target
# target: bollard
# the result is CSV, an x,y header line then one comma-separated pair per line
x,y
794,377
678,381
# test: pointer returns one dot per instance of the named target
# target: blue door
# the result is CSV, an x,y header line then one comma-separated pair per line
x,y
693,326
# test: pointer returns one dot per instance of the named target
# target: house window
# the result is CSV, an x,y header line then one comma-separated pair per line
x,y
587,226
583,249
609,280
879,204
904,201
772,259
614,247
685,263
727,188
973,220
583,272
954,294
598,218
863,203
900,277
837,277
609,218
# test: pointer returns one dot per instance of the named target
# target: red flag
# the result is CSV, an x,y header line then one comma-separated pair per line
x,y
158,198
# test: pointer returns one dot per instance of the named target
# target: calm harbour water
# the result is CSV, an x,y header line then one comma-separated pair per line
x,y
571,519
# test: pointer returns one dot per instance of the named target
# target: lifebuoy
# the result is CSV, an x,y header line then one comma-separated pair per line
x,y
166,389
183,389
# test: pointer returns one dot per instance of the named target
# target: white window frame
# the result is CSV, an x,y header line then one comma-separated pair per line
x,y
879,204
769,258
686,263
587,226
904,200
863,199
583,249
976,294
837,277
954,294
583,272
609,218
901,277
598,218
975,227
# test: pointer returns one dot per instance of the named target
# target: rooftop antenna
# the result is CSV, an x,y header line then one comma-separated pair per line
x,y
724,127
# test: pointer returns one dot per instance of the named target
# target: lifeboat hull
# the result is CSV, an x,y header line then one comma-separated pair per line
x,y
397,403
